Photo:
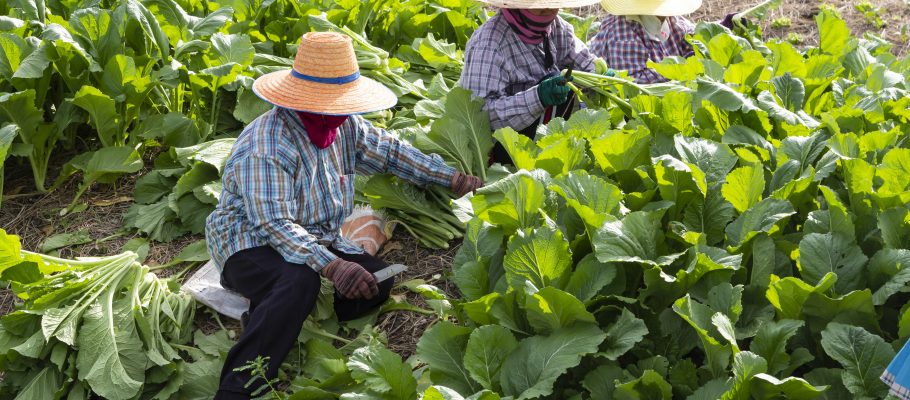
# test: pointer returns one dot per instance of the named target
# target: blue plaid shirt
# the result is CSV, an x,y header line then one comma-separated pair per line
x,y
281,190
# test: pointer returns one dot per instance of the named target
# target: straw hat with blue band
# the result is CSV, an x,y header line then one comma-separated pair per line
x,y
325,80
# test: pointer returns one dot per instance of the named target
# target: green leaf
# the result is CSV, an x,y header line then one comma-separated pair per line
x,y
745,366
383,372
232,48
744,187
44,385
679,182
699,318
622,335
551,309
463,134
863,355
723,96
110,356
487,349
831,378
820,254
157,220
173,129
650,385
767,387
540,256
590,196
621,150
763,217
710,216
511,203
213,152
589,277
790,90
715,159
771,343
638,237
102,110
442,348
895,226
600,382
62,240
833,33
196,251
531,370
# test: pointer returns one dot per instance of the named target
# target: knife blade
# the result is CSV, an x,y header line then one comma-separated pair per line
x,y
389,272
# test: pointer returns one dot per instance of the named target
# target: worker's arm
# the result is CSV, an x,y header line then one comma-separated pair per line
x,y
377,152
484,76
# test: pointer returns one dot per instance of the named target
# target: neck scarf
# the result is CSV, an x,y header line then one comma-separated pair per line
x,y
655,29
321,129
531,29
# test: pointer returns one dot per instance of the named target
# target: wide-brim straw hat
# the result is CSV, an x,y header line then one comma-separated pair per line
x,y
660,8
325,80
539,4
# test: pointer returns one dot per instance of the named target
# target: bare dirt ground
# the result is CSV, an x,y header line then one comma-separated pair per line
x,y
35,217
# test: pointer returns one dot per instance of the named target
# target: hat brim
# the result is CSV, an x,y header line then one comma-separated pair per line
x,y
661,8
539,4
361,96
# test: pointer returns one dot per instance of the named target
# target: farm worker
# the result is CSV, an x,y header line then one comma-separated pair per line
x,y
514,61
897,375
288,186
640,30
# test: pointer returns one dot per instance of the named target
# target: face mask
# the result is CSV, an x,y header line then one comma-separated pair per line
x,y
531,28
321,129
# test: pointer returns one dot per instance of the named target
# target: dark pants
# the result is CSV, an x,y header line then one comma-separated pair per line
x,y
564,111
281,296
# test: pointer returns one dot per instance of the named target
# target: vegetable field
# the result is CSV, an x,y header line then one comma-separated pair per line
x,y
739,232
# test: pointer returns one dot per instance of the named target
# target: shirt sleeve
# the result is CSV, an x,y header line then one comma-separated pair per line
x,y
483,76
378,152
271,204
576,52
683,46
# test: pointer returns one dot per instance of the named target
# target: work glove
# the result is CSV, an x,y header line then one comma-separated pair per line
x,y
601,68
553,91
462,184
350,279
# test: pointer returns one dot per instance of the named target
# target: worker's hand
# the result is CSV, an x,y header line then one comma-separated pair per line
x,y
351,279
553,91
462,184
601,68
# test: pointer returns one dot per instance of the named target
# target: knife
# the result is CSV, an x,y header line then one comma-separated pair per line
x,y
389,272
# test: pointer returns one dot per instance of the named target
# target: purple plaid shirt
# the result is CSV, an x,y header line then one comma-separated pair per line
x,y
281,190
625,46
505,71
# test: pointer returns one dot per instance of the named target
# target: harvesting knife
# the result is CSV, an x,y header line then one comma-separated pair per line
x,y
389,272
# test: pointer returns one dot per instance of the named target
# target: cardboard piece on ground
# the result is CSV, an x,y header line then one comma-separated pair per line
x,y
366,227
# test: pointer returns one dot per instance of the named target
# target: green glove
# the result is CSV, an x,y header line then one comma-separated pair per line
x,y
553,91
601,68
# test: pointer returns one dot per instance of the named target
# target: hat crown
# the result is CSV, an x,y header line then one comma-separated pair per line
x,y
326,55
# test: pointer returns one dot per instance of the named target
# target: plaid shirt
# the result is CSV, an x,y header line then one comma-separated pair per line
x,y
283,191
625,45
505,71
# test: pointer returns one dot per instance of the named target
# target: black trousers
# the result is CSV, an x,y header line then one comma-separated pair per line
x,y
281,296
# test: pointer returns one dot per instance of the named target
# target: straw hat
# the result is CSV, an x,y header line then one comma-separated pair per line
x,y
325,80
537,4
661,8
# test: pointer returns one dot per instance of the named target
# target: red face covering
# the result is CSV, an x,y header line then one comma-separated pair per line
x,y
321,129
